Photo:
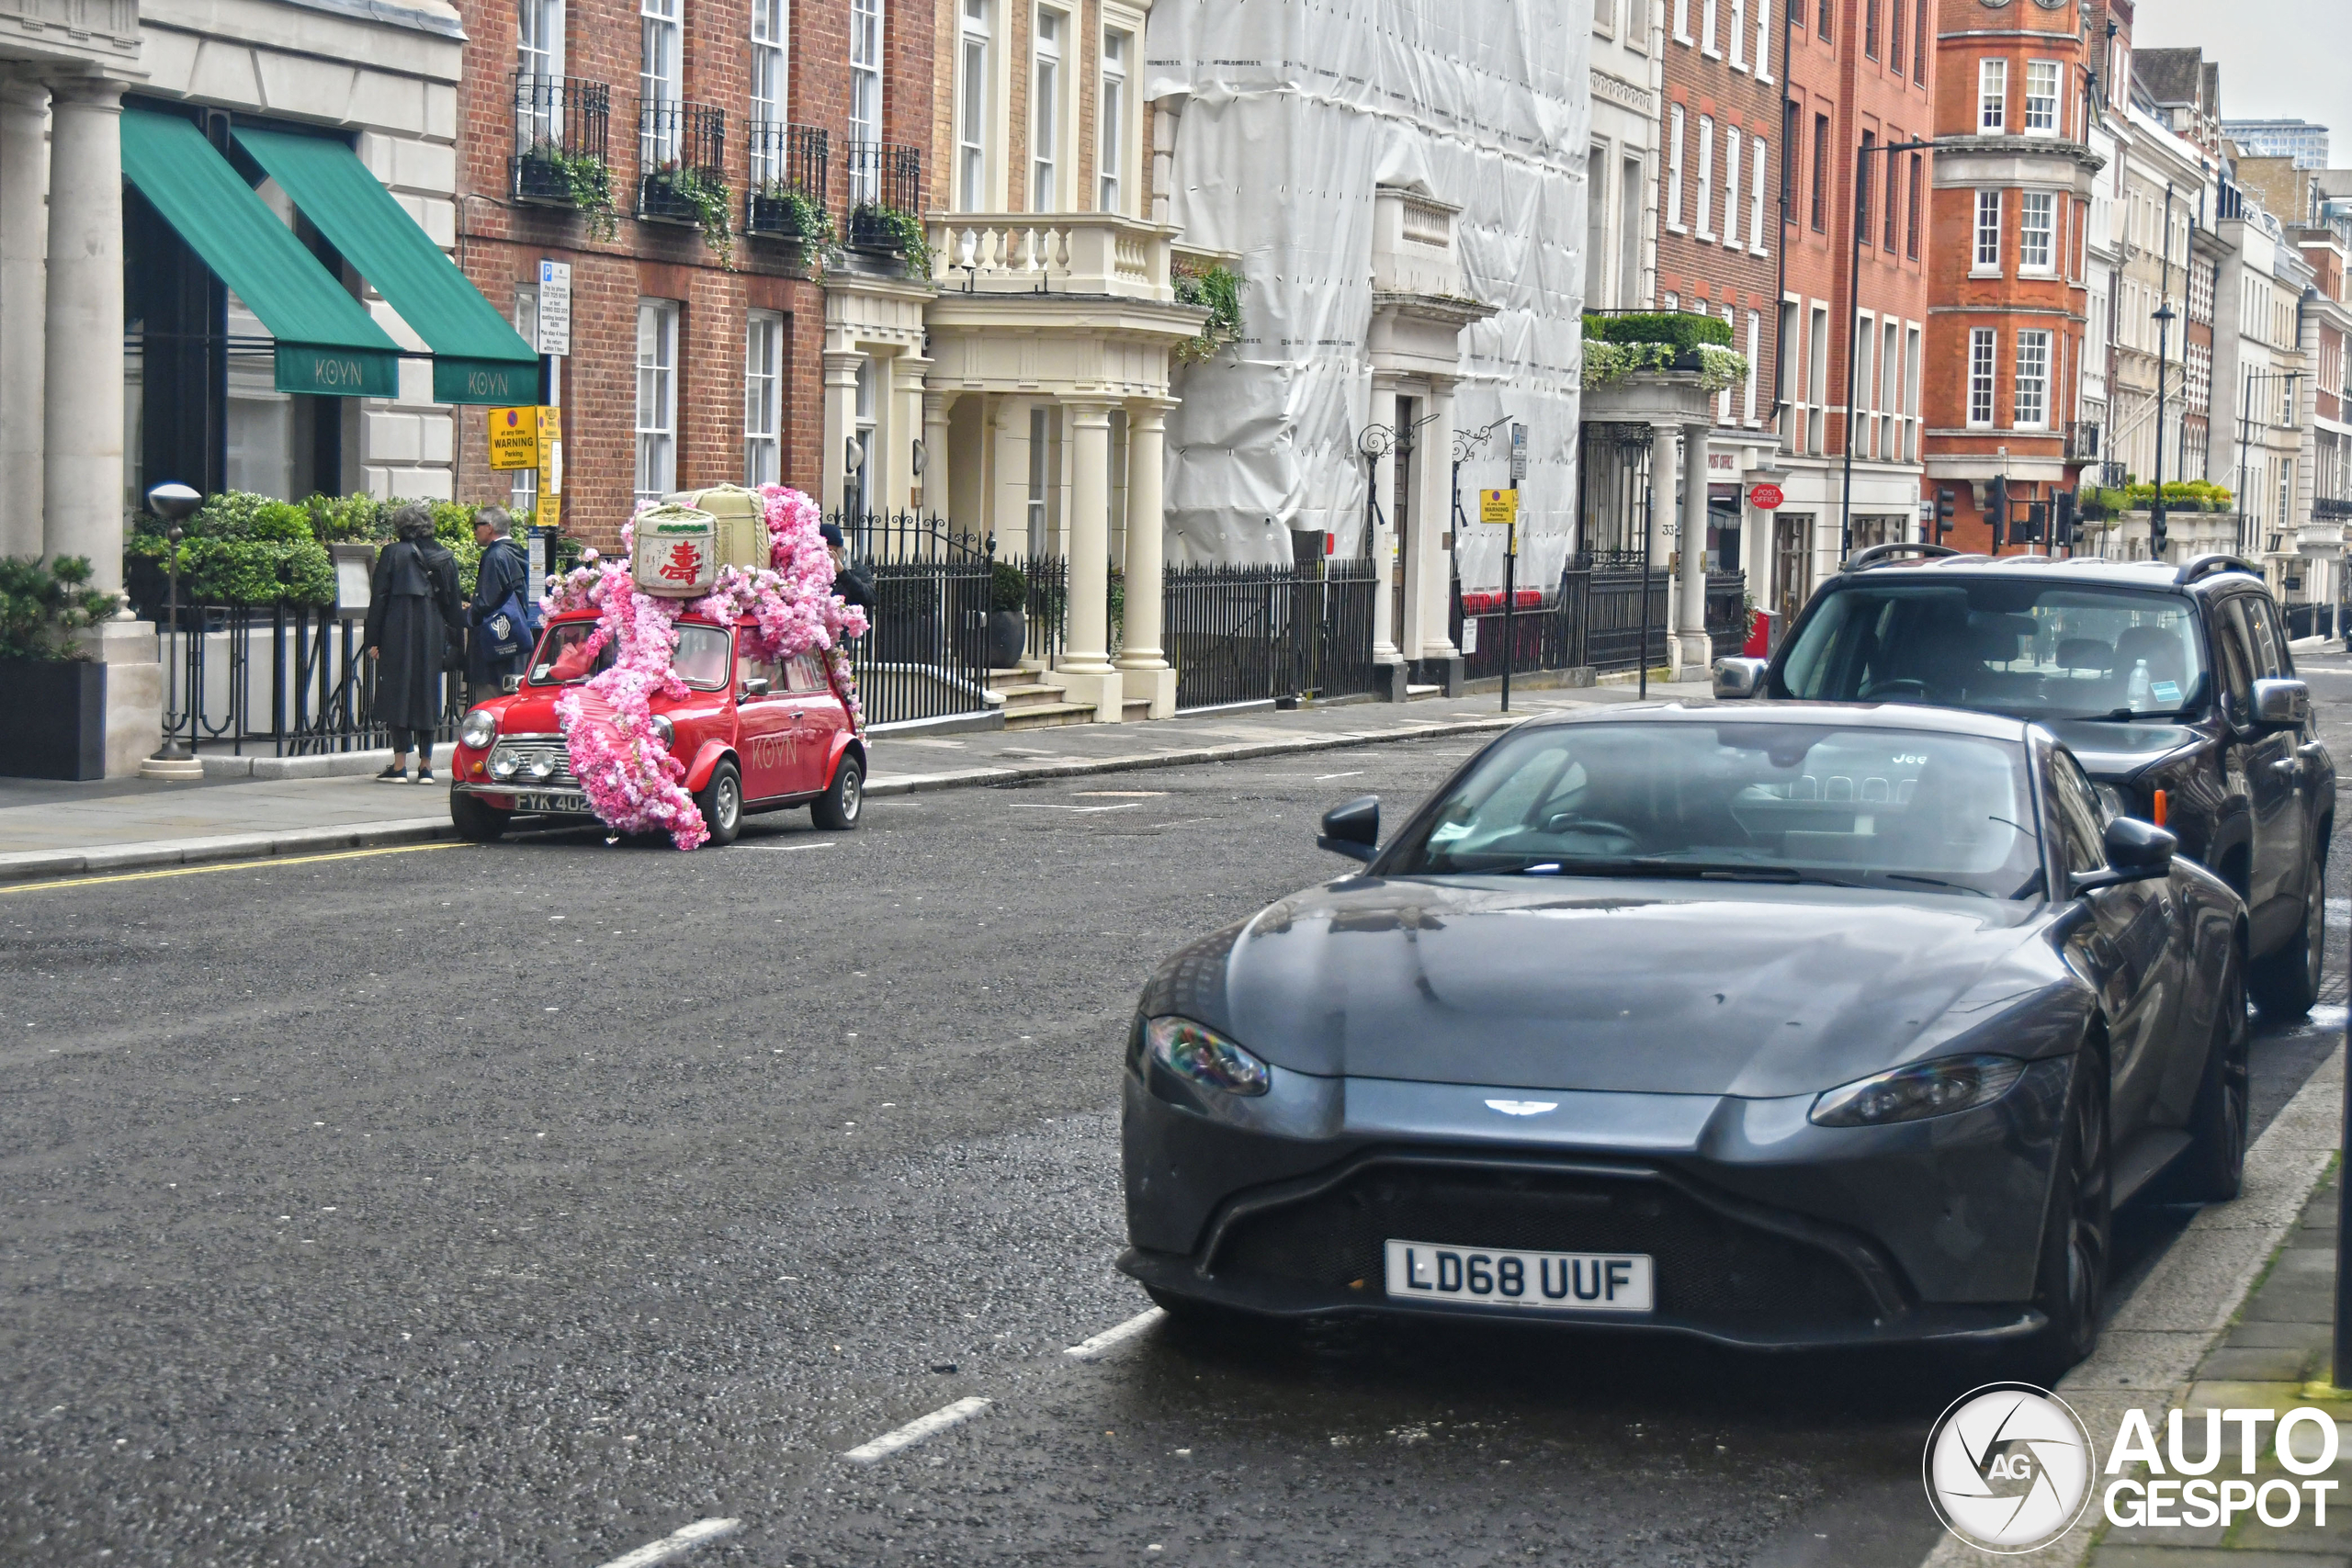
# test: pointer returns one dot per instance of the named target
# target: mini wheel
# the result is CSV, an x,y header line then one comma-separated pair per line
x,y
838,807
721,804
477,820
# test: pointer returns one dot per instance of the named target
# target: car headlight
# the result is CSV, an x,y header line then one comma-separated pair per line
x,y
1194,1051
543,768
2112,798
504,765
664,729
1940,1087
478,730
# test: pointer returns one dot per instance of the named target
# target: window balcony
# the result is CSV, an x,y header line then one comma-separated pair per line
x,y
2081,441
682,159
789,165
1056,252
561,157
885,193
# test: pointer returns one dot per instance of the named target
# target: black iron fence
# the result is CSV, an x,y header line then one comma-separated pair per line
x,y
279,679
682,151
790,168
561,128
2314,620
1239,634
1591,617
925,653
884,191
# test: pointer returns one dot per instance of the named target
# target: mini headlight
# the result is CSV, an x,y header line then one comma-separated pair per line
x,y
664,728
1202,1054
1940,1087
503,766
480,728
543,768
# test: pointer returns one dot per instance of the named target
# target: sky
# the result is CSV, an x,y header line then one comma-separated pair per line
x,y
2284,59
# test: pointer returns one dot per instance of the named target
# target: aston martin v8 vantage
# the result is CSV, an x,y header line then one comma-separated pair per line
x,y
1798,1025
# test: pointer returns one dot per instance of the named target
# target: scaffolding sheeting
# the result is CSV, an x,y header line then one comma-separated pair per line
x,y
1290,114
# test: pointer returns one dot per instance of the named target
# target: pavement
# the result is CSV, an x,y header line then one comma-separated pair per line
x,y
51,829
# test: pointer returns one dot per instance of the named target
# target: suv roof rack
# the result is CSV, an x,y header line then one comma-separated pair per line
x,y
1879,554
2207,565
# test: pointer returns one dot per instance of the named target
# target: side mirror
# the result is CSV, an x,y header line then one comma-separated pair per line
x,y
755,686
2136,851
1352,830
510,684
2281,704
1739,678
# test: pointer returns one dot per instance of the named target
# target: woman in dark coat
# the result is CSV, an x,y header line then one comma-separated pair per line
x,y
409,612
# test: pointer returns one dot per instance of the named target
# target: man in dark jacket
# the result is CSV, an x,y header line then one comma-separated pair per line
x,y
414,599
853,586
502,595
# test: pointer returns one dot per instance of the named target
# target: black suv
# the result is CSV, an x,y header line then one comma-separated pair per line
x,y
2164,681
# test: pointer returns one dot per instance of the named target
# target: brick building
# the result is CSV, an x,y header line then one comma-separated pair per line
x,y
1717,252
696,359
1860,79
2007,301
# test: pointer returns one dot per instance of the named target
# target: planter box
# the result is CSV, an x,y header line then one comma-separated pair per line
x,y
662,202
54,724
538,180
773,218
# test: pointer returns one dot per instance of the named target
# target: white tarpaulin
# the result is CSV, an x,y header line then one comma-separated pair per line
x,y
1291,113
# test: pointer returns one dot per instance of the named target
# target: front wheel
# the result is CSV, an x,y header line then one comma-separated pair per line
x,y
2078,1242
2286,983
838,807
477,821
721,804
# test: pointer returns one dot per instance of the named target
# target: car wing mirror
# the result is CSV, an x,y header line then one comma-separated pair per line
x,y
755,686
2136,851
2281,704
1738,678
511,682
1352,830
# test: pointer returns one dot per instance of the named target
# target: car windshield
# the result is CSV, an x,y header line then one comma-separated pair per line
x,y
701,658
1778,801
2024,649
569,653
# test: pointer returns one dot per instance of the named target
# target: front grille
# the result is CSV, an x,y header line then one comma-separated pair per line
x,y
1709,1267
526,751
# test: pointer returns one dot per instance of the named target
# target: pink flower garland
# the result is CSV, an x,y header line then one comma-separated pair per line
x,y
785,609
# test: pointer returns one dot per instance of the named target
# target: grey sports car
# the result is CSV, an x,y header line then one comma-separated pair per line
x,y
1812,1024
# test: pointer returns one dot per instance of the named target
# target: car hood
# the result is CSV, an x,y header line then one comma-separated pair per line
x,y
2112,752
531,711
1639,986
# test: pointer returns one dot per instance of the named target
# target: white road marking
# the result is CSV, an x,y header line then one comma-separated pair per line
x,y
789,849
1040,805
1112,1338
916,1430
677,1543
1352,773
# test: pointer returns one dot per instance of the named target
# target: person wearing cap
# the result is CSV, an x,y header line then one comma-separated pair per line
x,y
853,586
500,612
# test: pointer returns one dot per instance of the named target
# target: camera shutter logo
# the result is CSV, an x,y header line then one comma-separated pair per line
x,y
2008,1468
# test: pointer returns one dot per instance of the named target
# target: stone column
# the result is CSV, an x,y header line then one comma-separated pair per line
x,y
905,422
1009,492
1691,640
1086,662
24,293
1144,669
1382,476
1664,439
82,478
935,469
841,422
1428,564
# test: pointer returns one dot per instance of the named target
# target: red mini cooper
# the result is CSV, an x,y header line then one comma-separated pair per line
x,y
753,736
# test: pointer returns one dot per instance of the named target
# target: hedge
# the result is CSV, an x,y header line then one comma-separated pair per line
x,y
1679,329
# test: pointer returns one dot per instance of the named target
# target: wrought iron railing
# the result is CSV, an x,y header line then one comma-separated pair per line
x,y
1591,617
1239,634
279,680
2082,440
679,145
885,184
926,651
790,165
2332,509
562,126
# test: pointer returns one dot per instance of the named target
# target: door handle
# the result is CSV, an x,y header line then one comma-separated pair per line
x,y
2287,768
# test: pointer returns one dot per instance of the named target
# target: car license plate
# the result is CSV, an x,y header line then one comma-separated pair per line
x,y
551,801
1542,1281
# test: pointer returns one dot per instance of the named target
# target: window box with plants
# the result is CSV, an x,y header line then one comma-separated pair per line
x,y
676,192
888,231
546,176
1618,347
779,211
53,725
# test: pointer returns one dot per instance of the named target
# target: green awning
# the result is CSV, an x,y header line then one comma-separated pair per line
x,y
477,357
326,342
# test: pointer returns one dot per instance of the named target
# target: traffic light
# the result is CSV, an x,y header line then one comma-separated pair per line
x,y
1998,509
2157,531
2065,537
2037,523
1943,514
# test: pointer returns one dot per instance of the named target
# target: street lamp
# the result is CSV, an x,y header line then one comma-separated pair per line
x,y
174,503
1862,156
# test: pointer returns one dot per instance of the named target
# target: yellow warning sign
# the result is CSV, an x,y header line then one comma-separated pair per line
x,y
514,439
1498,506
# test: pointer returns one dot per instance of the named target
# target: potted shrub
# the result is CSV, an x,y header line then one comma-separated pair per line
x,y
1008,626
54,724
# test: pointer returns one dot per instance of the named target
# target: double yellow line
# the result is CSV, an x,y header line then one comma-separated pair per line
x,y
224,866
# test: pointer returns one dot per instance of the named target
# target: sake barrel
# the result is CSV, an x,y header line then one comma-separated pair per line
x,y
743,521
677,552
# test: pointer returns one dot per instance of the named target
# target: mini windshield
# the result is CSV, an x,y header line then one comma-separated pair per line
x,y
2028,649
1764,801
567,654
